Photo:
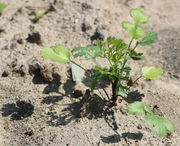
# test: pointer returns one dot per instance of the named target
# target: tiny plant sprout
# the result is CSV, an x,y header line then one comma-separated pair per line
x,y
118,53
2,7
39,14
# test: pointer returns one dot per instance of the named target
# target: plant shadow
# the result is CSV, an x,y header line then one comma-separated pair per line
x,y
117,138
134,96
52,99
38,78
88,106
53,86
18,110
66,116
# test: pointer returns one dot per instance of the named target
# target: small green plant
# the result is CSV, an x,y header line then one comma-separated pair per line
x,y
2,7
40,13
118,53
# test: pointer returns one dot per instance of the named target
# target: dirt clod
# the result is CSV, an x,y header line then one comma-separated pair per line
x,y
34,37
5,74
98,35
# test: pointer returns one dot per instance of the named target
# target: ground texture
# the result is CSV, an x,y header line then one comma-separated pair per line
x,y
41,105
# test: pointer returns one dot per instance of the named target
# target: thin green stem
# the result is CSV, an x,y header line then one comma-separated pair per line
x,y
125,57
78,65
135,46
135,81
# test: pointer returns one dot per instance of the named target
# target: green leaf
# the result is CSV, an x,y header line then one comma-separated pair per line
x,y
39,14
87,52
2,7
139,16
58,54
79,49
123,91
150,72
134,31
136,56
137,108
101,73
150,38
95,51
126,69
117,44
161,126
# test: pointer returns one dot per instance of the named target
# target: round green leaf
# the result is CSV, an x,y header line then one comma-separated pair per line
x,y
58,54
87,52
150,38
139,16
134,31
150,72
160,125
137,108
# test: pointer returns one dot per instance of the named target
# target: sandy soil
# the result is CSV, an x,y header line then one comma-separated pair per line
x,y
41,105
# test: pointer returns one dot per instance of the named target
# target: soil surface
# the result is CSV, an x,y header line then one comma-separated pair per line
x,y
42,106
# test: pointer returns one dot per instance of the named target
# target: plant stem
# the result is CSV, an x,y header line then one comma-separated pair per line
x,y
114,91
125,57
79,66
135,81
135,46
89,74
115,83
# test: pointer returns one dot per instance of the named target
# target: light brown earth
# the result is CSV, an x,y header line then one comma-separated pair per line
x,y
38,107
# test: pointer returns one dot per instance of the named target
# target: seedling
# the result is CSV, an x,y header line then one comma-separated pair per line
x,y
118,53
39,14
2,7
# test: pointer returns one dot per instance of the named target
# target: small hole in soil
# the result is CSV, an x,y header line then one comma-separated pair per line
x,y
34,37
29,133
5,74
2,30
